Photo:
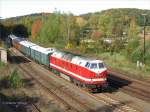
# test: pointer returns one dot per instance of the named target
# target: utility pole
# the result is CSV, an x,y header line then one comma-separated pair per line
x,y
68,28
144,15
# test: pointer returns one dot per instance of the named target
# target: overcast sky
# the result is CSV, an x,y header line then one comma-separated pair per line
x,y
12,8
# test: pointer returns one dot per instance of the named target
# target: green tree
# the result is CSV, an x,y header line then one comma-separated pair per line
x,y
133,28
131,47
50,30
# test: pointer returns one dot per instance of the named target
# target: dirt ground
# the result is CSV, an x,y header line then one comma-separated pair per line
x,y
20,99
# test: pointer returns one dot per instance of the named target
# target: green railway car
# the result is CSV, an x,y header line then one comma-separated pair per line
x,y
25,47
41,54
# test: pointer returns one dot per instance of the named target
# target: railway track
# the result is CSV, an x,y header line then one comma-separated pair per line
x,y
112,103
33,105
131,86
36,109
50,92
55,90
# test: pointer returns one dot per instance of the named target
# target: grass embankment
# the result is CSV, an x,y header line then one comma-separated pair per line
x,y
120,62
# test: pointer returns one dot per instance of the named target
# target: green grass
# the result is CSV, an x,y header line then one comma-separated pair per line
x,y
15,80
120,62
2,65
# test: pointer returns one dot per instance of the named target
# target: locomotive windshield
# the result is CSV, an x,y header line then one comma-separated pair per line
x,y
96,65
101,65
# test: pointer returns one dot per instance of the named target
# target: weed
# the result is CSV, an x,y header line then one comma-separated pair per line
x,y
2,64
15,80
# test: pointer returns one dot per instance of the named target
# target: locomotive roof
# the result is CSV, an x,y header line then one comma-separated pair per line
x,y
76,59
42,49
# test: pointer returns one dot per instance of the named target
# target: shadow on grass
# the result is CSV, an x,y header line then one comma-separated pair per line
x,y
17,103
5,83
17,59
28,82
115,83
21,103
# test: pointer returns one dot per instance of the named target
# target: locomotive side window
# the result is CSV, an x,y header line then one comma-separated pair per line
x,y
101,65
87,65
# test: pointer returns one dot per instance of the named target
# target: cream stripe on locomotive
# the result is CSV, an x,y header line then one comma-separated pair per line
x,y
83,78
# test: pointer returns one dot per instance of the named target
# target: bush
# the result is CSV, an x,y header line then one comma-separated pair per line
x,y
15,80
2,64
138,53
132,46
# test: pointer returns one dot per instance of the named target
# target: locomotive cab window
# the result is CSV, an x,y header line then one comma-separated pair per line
x,y
101,65
94,66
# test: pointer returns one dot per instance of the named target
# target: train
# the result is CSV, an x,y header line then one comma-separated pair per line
x,y
85,72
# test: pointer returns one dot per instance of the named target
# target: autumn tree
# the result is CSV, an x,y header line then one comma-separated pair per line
x,y
81,22
36,27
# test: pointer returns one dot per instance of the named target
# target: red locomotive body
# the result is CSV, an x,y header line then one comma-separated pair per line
x,y
87,72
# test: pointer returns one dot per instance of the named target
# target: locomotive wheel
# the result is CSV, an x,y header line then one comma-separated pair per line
x,y
99,89
81,85
75,82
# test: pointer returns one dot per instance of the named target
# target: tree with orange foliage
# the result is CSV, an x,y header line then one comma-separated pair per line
x,y
36,27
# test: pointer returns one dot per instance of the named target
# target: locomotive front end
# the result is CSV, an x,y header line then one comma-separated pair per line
x,y
99,79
